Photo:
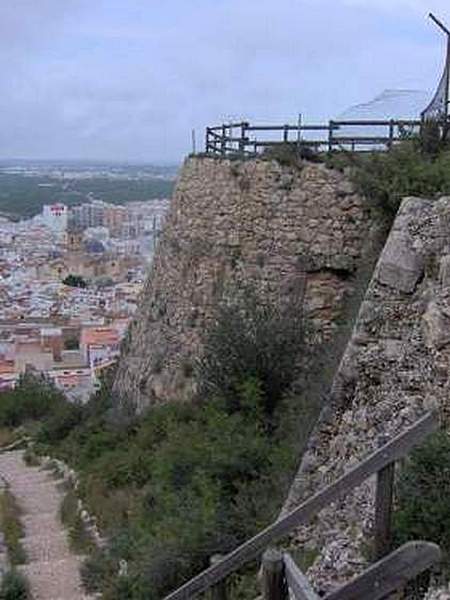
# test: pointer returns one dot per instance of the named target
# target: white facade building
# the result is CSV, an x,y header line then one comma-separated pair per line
x,y
55,216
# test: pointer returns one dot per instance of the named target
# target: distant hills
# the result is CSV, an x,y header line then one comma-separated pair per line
x,y
25,186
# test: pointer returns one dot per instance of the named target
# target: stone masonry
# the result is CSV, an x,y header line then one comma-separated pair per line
x,y
395,368
232,222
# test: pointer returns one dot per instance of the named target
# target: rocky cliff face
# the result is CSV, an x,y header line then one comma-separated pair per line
x,y
229,222
395,368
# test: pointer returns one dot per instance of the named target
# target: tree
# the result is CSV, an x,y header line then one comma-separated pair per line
x,y
75,281
253,341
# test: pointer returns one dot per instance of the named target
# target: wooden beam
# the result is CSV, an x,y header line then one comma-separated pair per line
x,y
395,449
297,581
219,591
391,573
273,581
383,510
289,127
376,123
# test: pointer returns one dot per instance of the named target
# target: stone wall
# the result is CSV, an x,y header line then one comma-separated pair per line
x,y
235,221
395,368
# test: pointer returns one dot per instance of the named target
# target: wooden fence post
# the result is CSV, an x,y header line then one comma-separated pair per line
x,y
391,134
207,140
273,580
219,591
223,144
243,140
330,136
383,509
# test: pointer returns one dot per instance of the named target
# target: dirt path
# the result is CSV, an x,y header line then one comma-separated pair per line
x,y
52,569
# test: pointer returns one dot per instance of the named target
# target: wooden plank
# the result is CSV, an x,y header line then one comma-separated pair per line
x,y
290,127
395,449
374,123
219,591
383,510
362,140
297,581
273,581
260,144
390,573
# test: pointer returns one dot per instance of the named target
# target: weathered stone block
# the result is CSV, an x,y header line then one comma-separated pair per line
x,y
400,266
436,327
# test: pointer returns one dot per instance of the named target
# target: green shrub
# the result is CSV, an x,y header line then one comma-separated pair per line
x,y
80,540
253,340
385,178
75,281
34,398
65,417
12,528
423,508
423,492
290,154
14,586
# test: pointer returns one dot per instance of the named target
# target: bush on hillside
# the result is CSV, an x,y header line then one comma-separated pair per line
x,y
34,398
11,526
14,586
253,343
291,154
423,509
181,484
75,281
60,422
423,493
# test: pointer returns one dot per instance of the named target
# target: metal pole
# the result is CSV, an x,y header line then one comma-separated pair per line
x,y
194,145
446,31
447,82
439,23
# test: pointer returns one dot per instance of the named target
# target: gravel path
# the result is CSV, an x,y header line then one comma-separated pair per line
x,y
52,569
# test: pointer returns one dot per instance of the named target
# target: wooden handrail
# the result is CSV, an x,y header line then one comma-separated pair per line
x,y
237,134
297,581
375,123
390,573
397,448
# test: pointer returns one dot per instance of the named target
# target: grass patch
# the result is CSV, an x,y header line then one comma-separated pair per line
x,y
7,437
14,586
79,538
11,526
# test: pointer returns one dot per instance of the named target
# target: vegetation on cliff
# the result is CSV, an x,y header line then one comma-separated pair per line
x,y
183,481
423,490
419,166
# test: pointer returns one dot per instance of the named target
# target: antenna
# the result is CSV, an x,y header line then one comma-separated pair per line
x,y
439,24
442,96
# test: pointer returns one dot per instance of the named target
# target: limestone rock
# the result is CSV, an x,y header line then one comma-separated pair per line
x,y
400,266
436,326
444,271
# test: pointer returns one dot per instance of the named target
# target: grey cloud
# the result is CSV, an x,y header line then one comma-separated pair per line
x,y
102,80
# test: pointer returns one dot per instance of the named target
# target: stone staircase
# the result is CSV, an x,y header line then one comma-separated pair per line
x,y
52,569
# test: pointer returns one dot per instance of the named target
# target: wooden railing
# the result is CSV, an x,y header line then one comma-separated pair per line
x,y
282,579
244,138
380,461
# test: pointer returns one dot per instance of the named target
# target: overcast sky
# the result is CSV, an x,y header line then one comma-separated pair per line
x,y
129,79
